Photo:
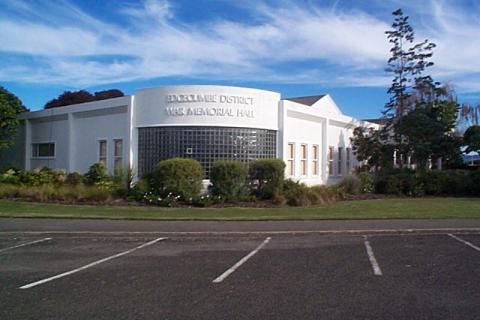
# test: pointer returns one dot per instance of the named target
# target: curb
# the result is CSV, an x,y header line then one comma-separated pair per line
x,y
246,233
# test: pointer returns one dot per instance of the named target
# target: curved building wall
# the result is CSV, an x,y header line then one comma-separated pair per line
x,y
205,144
206,123
206,106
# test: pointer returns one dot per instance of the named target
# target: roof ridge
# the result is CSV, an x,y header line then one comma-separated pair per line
x,y
306,100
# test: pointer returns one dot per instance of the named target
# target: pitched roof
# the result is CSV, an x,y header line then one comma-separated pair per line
x,y
308,100
377,120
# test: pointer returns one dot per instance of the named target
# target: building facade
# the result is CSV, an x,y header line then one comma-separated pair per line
x,y
206,123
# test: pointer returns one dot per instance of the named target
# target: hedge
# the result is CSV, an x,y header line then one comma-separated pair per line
x,y
433,183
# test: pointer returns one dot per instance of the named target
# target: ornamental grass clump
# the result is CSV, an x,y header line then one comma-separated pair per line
x,y
300,195
49,193
351,184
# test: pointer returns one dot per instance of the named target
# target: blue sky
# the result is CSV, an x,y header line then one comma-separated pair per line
x,y
297,48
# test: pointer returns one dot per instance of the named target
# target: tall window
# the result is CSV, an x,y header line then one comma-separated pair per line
x,y
118,153
303,159
291,159
348,159
340,161
330,161
102,151
43,150
315,160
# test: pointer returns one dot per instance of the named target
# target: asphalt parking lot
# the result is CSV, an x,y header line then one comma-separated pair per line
x,y
247,276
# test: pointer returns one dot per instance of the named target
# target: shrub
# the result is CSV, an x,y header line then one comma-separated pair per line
x,y
94,194
457,182
45,193
96,174
9,191
73,179
380,184
296,193
447,182
268,177
229,179
475,182
280,200
138,191
46,176
10,177
206,200
177,176
368,182
122,182
351,184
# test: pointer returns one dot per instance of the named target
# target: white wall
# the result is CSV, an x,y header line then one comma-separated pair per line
x,y
76,130
301,128
322,124
339,136
44,130
89,129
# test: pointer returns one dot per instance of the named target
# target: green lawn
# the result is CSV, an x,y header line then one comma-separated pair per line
x,y
395,208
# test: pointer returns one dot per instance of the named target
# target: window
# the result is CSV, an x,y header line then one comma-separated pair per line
x,y
303,159
43,150
204,144
291,159
348,157
315,160
102,151
330,161
340,161
118,153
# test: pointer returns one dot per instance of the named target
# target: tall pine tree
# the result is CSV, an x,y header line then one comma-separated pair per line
x,y
407,63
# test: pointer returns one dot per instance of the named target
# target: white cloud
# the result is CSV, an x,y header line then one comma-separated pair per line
x,y
333,46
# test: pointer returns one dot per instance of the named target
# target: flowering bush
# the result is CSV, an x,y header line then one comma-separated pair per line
x,y
170,200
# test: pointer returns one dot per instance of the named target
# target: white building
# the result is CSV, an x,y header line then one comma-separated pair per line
x,y
206,123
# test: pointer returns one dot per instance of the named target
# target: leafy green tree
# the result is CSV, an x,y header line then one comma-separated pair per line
x,y
420,115
10,108
81,96
428,131
370,145
472,138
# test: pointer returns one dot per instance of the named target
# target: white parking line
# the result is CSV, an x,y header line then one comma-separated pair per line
x,y
25,244
376,268
224,275
465,242
33,284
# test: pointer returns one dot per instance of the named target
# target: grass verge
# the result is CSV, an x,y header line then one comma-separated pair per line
x,y
397,208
